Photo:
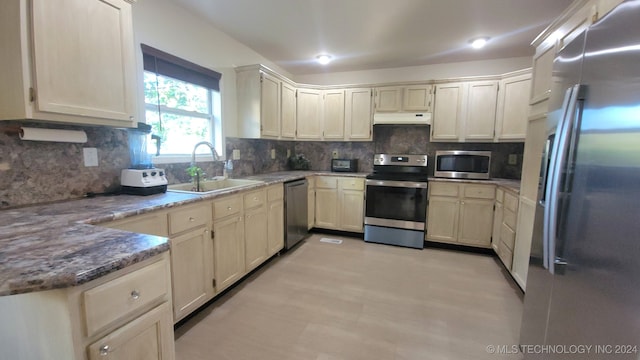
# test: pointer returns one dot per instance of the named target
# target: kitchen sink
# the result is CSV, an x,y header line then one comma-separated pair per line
x,y
211,185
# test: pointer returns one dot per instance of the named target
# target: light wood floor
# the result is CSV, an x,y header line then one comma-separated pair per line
x,y
360,301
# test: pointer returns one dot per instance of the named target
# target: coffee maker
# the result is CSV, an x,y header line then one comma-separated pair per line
x,y
142,178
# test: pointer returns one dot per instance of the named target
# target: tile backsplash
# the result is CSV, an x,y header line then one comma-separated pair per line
x,y
35,172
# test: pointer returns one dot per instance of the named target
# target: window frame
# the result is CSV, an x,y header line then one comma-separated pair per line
x,y
164,64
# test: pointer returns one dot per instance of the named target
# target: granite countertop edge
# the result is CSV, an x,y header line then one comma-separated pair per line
x,y
60,245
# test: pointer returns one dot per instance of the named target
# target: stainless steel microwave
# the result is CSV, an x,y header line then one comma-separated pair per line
x,y
457,164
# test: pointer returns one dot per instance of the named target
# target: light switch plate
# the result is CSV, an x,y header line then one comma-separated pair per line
x,y
335,154
90,156
236,154
513,159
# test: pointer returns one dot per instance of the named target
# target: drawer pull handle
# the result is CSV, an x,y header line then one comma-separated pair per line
x,y
228,208
191,219
135,295
104,350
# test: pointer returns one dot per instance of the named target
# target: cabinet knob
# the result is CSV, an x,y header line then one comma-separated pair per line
x,y
104,350
135,295
228,208
255,198
191,219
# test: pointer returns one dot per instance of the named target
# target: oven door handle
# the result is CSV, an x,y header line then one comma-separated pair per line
x,y
404,184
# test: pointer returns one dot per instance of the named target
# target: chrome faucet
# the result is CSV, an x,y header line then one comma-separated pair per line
x,y
216,157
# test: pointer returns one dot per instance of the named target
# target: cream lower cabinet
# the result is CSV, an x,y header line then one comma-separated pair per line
x,y
311,202
275,219
228,241
497,220
255,228
123,315
42,49
191,258
506,227
339,203
460,213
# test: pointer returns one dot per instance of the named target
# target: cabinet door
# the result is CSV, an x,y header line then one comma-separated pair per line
x,y
481,110
275,226
191,277
333,115
352,210
287,111
327,208
149,337
309,114
442,218
269,106
497,223
513,108
311,206
542,67
255,237
447,111
358,114
228,251
83,58
476,222
388,98
417,98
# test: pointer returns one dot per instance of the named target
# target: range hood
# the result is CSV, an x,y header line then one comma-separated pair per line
x,y
402,118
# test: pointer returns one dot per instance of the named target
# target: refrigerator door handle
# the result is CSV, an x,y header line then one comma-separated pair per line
x,y
558,163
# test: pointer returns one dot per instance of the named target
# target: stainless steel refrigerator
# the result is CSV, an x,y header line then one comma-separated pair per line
x,y
583,286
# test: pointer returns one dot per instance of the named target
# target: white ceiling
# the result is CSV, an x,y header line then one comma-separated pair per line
x,y
374,34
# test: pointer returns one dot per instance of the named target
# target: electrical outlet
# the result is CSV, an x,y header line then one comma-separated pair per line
x,y
335,154
273,154
90,156
513,159
236,154
288,153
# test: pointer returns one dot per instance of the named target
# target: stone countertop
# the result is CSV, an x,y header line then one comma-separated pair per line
x,y
510,184
57,245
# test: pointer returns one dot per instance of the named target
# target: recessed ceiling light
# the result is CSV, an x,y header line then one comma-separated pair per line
x,y
323,59
479,43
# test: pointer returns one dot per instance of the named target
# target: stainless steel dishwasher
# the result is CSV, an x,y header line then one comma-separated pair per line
x,y
295,207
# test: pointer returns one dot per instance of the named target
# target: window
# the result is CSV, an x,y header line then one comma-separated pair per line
x,y
182,104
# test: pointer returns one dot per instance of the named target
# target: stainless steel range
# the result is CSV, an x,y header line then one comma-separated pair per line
x,y
396,200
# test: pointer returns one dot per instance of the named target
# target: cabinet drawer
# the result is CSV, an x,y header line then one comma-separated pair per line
x,y
188,218
443,189
506,255
228,206
509,218
275,192
510,202
326,182
119,298
480,191
254,199
352,184
499,195
507,236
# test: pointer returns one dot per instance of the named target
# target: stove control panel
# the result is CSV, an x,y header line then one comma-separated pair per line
x,y
399,160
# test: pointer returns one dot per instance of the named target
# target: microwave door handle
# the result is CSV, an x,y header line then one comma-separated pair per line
x,y
557,166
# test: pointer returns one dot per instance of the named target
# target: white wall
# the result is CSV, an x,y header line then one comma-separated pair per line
x,y
167,27
417,73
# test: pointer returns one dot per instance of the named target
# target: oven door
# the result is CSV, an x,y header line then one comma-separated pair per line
x,y
397,204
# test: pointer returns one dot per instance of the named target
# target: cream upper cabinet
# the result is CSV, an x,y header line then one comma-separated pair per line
x,y
461,213
333,115
417,98
270,106
447,111
480,111
258,95
68,61
309,114
358,114
287,111
513,108
403,98
388,98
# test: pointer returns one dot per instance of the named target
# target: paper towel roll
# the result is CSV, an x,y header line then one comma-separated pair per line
x,y
38,134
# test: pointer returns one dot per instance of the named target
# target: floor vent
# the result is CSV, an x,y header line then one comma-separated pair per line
x,y
331,241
